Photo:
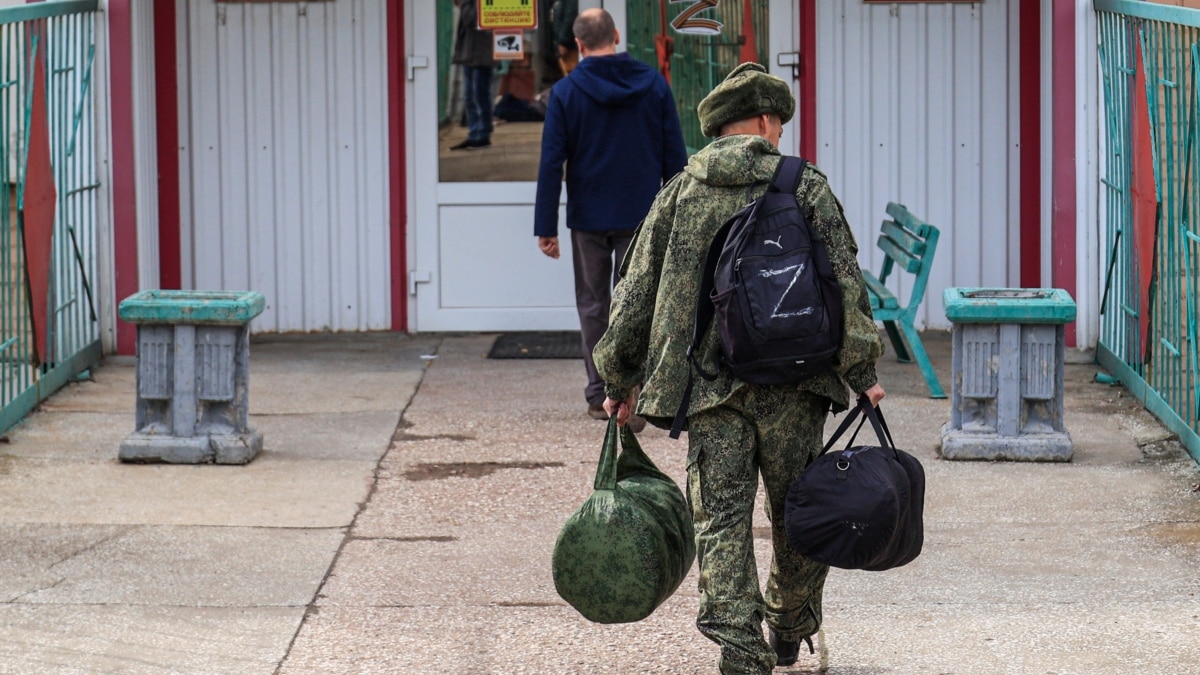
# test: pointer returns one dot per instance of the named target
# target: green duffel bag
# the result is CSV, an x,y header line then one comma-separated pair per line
x,y
629,546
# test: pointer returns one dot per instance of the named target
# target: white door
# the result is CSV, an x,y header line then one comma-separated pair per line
x,y
784,36
475,264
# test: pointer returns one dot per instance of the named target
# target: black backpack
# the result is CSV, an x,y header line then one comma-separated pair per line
x,y
773,292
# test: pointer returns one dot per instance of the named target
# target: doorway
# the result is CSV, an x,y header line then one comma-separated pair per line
x,y
476,266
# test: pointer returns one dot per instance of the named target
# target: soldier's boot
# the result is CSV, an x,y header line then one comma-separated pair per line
x,y
786,651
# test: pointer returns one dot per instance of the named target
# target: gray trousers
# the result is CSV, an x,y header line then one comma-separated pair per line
x,y
596,257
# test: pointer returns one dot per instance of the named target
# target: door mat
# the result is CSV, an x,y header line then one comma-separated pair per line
x,y
538,345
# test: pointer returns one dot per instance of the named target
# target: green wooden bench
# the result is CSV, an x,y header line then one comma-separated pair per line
x,y
909,244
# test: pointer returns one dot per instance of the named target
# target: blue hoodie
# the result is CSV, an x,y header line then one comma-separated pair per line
x,y
614,118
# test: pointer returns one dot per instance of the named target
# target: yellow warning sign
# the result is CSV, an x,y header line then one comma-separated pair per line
x,y
507,14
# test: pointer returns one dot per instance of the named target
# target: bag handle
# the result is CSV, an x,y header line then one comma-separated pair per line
x,y
621,455
606,470
869,412
875,414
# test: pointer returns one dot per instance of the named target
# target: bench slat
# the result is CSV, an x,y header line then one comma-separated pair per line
x,y
905,260
905,218
881,297
903,237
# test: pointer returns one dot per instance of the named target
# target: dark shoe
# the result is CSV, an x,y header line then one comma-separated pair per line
x,y
462,145
636,423
481,143
597,412
786,651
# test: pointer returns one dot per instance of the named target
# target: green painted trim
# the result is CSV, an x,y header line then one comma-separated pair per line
x,y
1008,305
46,10
222,308
1150,398
17,410
47,384
1150,10
87,83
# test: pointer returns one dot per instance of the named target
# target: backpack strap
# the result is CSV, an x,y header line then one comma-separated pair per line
x,y
787,173
704,315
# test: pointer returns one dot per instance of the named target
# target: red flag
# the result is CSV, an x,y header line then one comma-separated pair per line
x,y
749,43
36,213
664,44
1145,201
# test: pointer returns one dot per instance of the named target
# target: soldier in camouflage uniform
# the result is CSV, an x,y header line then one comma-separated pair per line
x,y
735,430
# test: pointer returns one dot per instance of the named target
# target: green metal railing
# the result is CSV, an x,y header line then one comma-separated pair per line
x,y
698,62
1150,63
47,55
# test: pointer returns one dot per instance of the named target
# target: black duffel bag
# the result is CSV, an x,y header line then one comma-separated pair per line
x,y
861,507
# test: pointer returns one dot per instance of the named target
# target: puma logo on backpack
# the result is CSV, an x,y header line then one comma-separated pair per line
x,y
770,286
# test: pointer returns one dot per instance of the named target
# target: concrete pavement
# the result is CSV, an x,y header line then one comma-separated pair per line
x,y
402,514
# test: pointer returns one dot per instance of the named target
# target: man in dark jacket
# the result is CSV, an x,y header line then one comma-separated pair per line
x,y
614,124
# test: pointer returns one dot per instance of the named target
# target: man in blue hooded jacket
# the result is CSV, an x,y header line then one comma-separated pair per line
x,y
613,122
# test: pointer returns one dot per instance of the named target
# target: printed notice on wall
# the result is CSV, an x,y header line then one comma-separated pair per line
x,y
509,45
507,14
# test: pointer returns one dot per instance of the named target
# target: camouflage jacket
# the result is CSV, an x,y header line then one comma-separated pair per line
x,y
654,304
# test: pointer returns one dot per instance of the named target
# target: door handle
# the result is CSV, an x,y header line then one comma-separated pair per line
x,y
793,59
415,62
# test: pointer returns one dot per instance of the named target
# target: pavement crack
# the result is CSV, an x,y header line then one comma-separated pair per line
x,y
64,559
438,471
515,603
86,549
57,582
432,538
312,609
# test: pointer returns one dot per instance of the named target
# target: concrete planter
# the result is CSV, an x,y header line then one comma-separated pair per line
x,y
1007,374
193,378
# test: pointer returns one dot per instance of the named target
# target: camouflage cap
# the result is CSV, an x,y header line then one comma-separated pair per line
x,y
747,91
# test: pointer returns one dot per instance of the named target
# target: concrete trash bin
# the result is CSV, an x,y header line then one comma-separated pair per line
x,y
1007,374
193,379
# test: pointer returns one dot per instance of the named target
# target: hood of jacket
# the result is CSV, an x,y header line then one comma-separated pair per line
x,y
731,161
616,80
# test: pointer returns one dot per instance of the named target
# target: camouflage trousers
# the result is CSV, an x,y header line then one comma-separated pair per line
x,y
773,431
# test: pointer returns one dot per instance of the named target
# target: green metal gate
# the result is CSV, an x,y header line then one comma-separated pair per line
x,y
48,192
1150,64
698,60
